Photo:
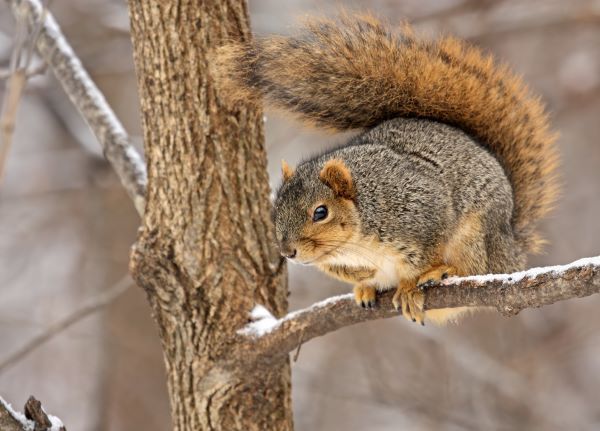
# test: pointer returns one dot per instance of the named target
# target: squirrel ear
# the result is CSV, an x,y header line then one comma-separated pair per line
x,y
337,176
286,170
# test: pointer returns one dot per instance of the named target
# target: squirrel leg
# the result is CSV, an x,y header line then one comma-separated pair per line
x,y
349,274
364,295
410,300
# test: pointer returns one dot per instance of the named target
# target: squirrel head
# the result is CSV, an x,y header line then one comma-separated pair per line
x,y
314,210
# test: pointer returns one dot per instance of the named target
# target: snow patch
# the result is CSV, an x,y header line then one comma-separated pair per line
x,y
27,424
56,423
529,273
260,312
317,305
264,322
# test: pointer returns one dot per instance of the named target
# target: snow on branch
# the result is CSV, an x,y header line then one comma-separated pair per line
x,y
35,418
267,338
87,98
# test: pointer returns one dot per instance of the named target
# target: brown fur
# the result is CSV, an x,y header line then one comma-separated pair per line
x,y
356,73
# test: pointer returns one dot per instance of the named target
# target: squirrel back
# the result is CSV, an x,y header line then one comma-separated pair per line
x,y
354,72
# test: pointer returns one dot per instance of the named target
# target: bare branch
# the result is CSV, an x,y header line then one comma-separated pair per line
x,y
34,419
14,89
18,73
58,54
268,339
88,308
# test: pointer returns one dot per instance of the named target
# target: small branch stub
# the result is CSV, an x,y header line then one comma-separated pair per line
x,y
35,413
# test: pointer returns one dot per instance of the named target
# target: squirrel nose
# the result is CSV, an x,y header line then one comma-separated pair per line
x,y
290,254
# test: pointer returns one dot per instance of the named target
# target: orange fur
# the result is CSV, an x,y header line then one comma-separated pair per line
x,y
337,176
464,249
286,170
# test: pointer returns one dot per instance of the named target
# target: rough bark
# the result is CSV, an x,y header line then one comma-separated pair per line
x,y
268,339
205,253
7,421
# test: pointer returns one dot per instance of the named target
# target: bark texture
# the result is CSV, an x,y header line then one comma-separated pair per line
x,y
205,253
8,421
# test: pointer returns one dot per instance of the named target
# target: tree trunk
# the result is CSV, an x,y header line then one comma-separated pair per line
x,y
205,253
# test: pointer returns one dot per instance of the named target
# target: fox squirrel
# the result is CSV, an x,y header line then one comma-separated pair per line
x,y
456,166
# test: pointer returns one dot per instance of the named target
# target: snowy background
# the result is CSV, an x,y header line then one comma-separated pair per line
x,y
66,227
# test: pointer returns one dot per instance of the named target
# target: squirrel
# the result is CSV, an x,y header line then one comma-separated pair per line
x,y
454,167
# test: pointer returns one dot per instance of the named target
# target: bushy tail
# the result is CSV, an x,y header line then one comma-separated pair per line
x,y
354,72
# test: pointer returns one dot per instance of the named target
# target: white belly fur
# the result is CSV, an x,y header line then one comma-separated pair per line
x,y
388,263
391,268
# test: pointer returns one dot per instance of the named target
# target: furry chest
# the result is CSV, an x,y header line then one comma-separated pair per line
x,y
389,266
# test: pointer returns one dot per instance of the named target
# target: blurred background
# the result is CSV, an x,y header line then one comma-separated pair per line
x,y
66,226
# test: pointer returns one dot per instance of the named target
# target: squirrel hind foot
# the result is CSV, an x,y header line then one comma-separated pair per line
x,y
410,301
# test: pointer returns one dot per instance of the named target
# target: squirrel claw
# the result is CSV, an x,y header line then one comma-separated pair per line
x,y
434,276
365,296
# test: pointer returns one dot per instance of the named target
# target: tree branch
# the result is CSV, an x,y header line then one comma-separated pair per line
x,y
34,419
58,54
267,338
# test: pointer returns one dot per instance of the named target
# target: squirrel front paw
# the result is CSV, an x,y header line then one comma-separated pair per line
x,y
435,275
365,296
410,300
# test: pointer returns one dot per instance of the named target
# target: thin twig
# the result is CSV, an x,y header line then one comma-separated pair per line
x,y
15,84
85,310
14,89
299,346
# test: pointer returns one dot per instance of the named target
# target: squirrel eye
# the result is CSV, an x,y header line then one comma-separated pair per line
x,y
320,213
